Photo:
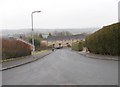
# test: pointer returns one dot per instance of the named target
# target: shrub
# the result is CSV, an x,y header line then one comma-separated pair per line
x,y
105,40
78,46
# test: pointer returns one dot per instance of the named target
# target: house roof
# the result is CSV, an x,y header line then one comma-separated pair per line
x,y
72,37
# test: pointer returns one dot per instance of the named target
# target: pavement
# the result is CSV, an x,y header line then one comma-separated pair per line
x,y
63,67
23,60
98,56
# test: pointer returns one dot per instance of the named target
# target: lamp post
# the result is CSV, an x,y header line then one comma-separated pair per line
x,y
33,43
119,11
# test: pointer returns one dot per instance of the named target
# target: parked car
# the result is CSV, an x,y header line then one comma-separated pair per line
x,y
59,47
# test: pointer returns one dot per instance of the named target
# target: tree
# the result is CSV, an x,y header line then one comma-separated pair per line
x,y
37,42
50,34
40,35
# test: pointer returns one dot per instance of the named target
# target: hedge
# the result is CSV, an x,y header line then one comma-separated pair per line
x,y
105,41
12,48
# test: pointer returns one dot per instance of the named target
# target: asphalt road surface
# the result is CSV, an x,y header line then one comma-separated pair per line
x,y
64,67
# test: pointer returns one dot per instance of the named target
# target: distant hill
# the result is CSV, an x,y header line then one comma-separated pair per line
x,y
46,31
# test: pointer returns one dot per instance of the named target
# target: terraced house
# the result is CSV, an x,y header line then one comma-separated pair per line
x,y
64,41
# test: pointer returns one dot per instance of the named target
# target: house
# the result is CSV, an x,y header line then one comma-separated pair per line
x,y
64,40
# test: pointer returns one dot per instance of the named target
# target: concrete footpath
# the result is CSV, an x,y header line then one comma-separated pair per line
x,y
98,56
23,61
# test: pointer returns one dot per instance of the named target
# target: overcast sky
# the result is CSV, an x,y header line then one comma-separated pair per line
x,y
16,14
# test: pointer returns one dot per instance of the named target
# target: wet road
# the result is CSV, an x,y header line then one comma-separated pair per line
x,y
64,67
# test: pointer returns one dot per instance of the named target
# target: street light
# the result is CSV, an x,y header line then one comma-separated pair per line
x,y
32,29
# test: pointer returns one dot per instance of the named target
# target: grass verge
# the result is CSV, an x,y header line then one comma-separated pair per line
x,y
33,53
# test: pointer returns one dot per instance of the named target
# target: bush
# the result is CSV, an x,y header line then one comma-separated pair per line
x,y
105,41
12,48
78,46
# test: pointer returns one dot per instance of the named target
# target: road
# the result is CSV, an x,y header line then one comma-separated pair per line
x,y
64,67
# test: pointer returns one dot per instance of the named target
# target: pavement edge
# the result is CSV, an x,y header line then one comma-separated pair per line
x,y
26,62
